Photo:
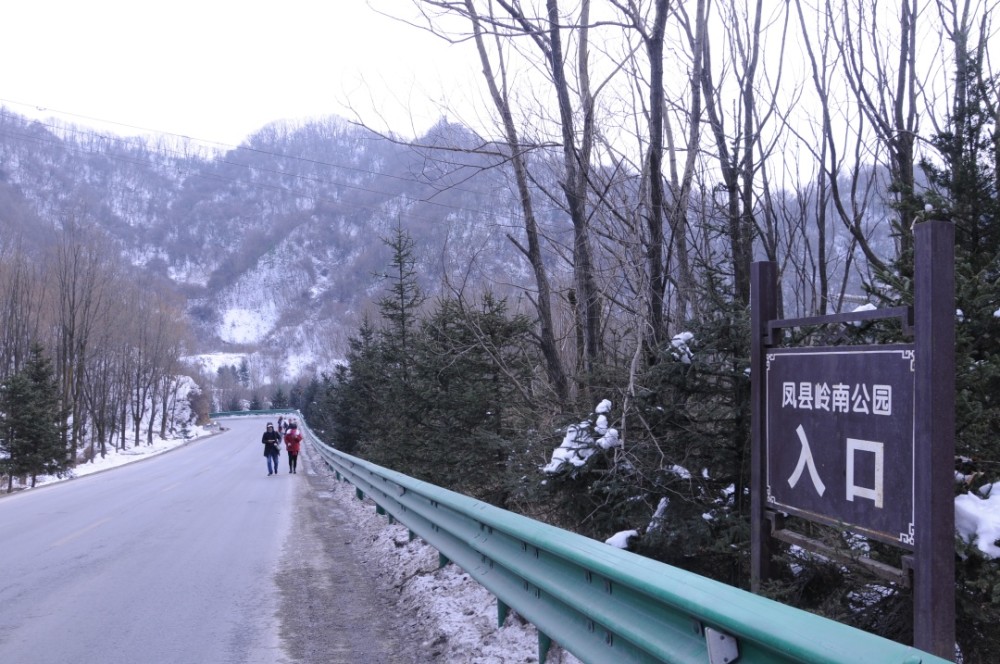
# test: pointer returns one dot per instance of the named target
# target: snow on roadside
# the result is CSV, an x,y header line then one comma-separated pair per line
x,y
457,615
115,458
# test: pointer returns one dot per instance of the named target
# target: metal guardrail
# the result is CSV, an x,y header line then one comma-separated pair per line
x,y
601,603
253,413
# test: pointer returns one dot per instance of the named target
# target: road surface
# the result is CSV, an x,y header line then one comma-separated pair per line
x,y
196,555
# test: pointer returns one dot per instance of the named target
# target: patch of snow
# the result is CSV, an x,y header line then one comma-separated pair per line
x,y
978,519
657,521
210,363
246,326
621,539
456,616
680,471
681,344
864,307
581,441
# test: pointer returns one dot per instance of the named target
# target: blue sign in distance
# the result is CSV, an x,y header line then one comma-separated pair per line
x,y
839,446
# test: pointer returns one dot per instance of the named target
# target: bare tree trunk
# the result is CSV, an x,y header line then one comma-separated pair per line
x,y
576,162
543,302
742,232
22,296
887,100
682,185
657,202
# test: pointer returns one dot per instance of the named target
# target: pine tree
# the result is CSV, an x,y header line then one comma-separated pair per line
x,y
30,421
279,399
400,306
243,373
965,190
468,365
351,407
302,396
384,373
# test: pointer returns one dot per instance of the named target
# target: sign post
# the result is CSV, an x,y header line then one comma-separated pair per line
x,y
862,437
934,560
764,308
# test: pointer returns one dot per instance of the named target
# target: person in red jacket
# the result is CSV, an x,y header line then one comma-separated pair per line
x,y
293,439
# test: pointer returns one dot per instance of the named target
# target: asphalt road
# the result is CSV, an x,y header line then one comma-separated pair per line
x,y
193,556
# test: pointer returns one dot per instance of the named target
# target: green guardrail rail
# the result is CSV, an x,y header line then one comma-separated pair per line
x,y
601,603
253,413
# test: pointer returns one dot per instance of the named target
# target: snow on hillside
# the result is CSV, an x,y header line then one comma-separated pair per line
x,y
299,360
252,307
189,273
210,363
247,325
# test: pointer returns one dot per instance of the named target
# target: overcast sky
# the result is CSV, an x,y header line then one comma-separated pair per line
x,y
218,70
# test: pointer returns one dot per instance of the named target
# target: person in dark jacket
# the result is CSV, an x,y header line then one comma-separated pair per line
x,y
293,439
272,448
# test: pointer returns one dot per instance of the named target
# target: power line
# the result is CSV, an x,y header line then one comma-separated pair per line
x,y
177,154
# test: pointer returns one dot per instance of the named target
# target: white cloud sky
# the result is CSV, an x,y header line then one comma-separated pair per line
x,y
218,70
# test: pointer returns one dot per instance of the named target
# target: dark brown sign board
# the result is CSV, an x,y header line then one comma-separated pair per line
x,y
839,443
854,469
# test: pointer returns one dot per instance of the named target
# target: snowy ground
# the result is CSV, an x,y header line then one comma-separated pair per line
x,y
115,459
457,615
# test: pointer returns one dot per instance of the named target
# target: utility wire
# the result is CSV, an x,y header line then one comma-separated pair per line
x,y
177,154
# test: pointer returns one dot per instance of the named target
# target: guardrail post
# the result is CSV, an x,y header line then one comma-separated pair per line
x,y
502,610
379,510
442,560
359,493
544,643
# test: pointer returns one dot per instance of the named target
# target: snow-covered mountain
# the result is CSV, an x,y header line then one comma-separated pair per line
x,y
277,244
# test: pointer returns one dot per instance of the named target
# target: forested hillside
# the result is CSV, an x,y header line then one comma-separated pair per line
x,y
275,245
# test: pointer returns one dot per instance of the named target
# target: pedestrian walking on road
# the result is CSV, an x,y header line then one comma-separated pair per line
x,y
293,439
272,448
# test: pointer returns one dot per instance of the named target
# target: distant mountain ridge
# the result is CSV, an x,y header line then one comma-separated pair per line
x,y
274,244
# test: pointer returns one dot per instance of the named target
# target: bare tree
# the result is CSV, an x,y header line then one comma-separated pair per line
x,y
541,35
652,37
22,297
498,84
576,148
155,350
81,286
739,153
880,68
103,391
